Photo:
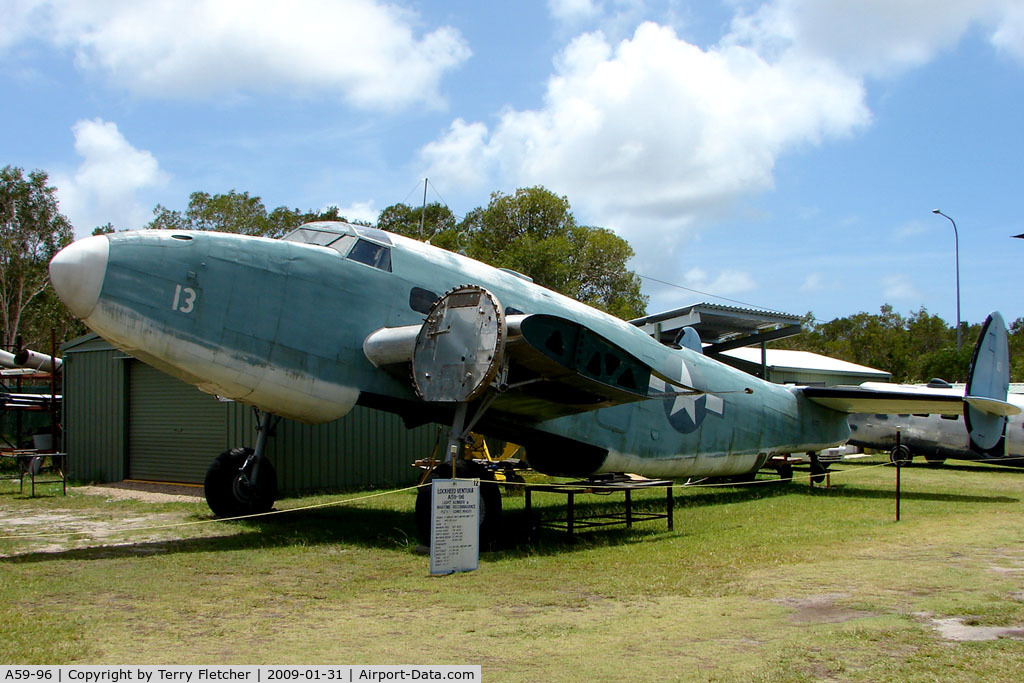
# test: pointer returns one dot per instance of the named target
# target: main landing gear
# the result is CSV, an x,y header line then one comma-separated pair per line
x,y
457,356
819,469
490,500
241,481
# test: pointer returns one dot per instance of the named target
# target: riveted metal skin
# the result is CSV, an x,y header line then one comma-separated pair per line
x,y
460,346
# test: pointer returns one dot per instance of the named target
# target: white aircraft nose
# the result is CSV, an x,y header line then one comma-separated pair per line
x,y
77,273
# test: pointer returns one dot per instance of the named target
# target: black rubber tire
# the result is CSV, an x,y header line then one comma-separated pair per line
x,y
900,456
785,471
490,502
818,471
224,490
746,478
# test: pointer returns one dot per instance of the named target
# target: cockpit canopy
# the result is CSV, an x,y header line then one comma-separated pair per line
x,y
355,242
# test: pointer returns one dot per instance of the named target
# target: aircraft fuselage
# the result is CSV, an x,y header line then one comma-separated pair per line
x,y
938,437
280,324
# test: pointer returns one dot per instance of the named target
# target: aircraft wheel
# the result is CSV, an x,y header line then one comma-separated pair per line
x,y
228,495
746,478
785,471
818,470
900,456
490,502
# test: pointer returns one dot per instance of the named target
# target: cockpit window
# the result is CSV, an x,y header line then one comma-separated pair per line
x,y
309,236
344,244
337,236
373,233
376,255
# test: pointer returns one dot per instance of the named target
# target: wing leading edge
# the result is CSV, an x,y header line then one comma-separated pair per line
x,y
542,366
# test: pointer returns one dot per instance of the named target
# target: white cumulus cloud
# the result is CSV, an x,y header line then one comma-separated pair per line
x,y
365,52
572,10
105,187
655,128
727,282
658,138
900,288
361,211
813,282
876,37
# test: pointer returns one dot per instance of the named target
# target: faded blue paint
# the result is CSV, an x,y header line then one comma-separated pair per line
x,y
281,325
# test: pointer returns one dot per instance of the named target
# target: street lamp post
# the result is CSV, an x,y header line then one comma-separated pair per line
x,y
956,253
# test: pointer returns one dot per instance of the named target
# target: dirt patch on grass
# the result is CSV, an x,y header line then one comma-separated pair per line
x,y
50,531
954,628
822,610
153,493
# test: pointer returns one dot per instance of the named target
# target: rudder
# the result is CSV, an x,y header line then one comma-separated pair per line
x,y
988,382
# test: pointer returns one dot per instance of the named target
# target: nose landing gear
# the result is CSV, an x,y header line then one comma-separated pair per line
x,y
241,481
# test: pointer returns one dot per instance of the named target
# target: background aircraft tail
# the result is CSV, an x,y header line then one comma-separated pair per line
x,y
988,382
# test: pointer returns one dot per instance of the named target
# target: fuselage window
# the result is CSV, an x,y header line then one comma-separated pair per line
x,y
950,417
376,255
420,300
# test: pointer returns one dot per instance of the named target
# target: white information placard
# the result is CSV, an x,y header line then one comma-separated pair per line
x,y
455,526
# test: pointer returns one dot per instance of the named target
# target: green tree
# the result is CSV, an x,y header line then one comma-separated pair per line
x,y
1016,329
237,212
232,212
913,348
32,230
406,220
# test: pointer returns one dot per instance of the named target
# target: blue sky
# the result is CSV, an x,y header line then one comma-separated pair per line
x,y
783,154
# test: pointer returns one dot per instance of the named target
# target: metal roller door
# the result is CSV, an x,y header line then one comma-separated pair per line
x,y
174,430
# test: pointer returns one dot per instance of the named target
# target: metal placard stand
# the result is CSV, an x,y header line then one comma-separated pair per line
x,y
455,526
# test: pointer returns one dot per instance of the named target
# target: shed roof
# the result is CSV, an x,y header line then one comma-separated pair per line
x,y
722,327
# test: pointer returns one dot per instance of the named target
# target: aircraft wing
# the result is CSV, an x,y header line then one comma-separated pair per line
x,y
559,367
541,366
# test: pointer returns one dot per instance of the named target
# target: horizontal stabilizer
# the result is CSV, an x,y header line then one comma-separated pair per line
x,y
992,406
984,405
879,398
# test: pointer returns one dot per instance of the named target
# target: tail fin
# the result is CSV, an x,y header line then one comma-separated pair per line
x,y
988,381
690,339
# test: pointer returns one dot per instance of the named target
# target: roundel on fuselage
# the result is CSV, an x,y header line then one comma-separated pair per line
x,y
686,410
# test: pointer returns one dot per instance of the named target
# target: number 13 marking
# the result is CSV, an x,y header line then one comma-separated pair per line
x,y
189,301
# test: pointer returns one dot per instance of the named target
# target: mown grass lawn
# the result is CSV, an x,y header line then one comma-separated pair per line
x,y
768,582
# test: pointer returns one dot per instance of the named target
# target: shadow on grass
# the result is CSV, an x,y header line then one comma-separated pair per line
x,y
388,530
383,529
852,491
973,466
394,530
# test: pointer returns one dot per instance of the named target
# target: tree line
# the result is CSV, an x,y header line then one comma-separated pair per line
x,y
914,348
532,231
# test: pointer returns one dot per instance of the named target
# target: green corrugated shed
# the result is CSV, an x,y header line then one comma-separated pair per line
x,y
94,409
125,420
